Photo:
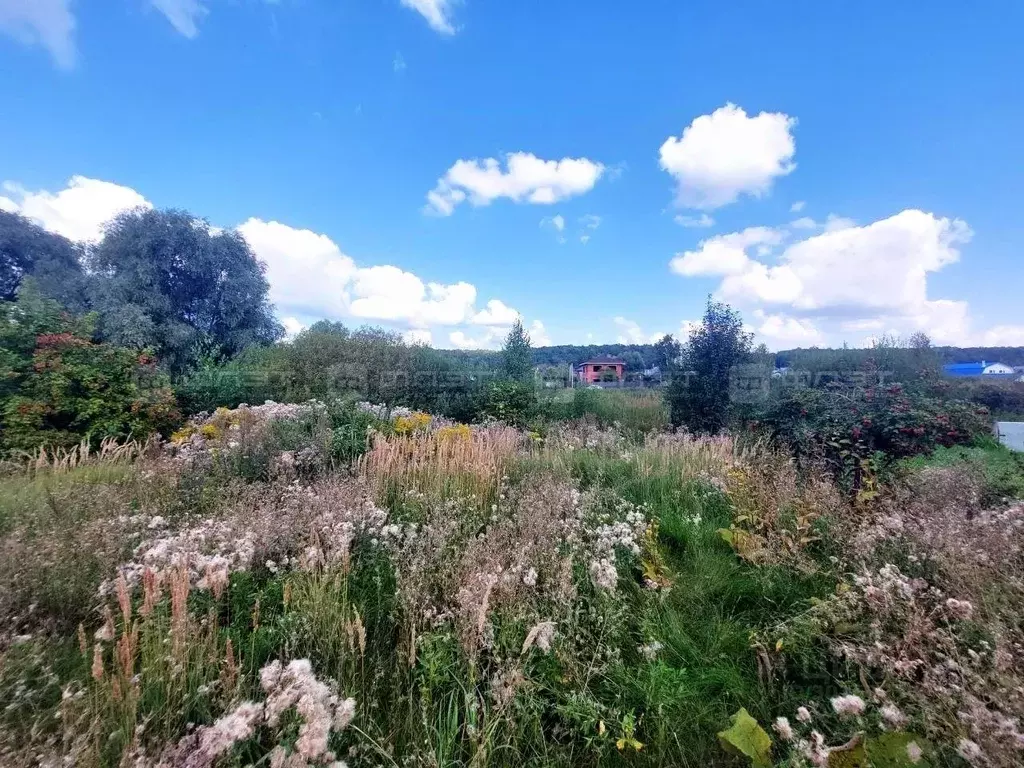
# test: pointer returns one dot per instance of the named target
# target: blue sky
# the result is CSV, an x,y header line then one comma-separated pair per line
x,y
836,170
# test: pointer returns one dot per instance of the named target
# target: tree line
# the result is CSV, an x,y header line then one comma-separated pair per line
x,y
167,316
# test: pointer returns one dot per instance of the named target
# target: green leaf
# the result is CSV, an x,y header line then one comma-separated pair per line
x,y
749,546
851,755
747,738
890,750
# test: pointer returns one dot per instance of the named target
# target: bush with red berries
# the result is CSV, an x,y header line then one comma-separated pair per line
x,y
847,425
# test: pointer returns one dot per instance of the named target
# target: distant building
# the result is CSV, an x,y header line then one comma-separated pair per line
x,y
601,369
978,369
997,369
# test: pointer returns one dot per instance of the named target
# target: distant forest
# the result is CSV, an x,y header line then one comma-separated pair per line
x,y
639,357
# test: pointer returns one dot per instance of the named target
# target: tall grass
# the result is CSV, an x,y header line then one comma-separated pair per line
x,y
58,459
637,411
488,598
452,462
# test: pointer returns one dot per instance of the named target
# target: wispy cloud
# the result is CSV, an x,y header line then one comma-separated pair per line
x,y
184,15
48,23
438,13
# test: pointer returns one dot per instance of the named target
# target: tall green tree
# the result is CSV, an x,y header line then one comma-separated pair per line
x,y
54,262
698,396
667,352
517,356
167,280
512,397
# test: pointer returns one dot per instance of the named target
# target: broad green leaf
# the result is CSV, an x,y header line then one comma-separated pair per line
x,y
747,738
747,545
893,750
851,755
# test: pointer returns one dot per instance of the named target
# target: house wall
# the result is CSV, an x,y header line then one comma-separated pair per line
x,y
997,369
590,375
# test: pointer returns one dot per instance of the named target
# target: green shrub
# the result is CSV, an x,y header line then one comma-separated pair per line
x,y
60,387
510,401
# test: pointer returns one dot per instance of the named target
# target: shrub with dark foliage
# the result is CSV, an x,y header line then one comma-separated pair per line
x,y
848,425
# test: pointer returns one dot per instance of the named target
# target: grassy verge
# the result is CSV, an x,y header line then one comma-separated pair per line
x,y
1000,469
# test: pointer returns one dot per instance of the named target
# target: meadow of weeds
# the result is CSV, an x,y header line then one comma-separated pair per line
x,y
324,584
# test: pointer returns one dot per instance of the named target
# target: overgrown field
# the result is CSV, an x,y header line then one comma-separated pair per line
x,y
318,584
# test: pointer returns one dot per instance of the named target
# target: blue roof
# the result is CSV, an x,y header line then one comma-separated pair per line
x,y
964,369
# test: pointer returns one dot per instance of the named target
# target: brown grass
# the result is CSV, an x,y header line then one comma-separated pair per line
x,y
443,463
110,451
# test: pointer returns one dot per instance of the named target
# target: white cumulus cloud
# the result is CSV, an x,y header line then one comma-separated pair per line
x,y
389,293
787,330
525,178
307,271
438,13
292,327
727,154
880,266
418,336
496,313
79,211
491,338
686,327
834,223
539,335
309,275
846,278
724,254
630,332
48,23
1002,336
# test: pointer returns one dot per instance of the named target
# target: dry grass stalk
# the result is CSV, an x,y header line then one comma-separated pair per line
x,y
62,460
97,662
437,462
356,633
179,586
150,591
687,456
